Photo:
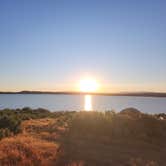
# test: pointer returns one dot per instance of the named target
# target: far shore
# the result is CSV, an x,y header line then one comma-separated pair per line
x,y
135,94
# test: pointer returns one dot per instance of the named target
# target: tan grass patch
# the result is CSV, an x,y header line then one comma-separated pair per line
x,y
26,150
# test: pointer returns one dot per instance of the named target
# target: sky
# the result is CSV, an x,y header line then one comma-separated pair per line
x,y
50,45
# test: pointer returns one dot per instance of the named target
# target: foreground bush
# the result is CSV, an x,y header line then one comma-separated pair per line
x,y
119,125
126,138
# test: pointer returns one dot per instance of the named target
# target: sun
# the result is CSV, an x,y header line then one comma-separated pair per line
x,y
88,85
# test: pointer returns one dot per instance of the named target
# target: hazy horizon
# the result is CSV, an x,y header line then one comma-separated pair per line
x,y
51,45
78,91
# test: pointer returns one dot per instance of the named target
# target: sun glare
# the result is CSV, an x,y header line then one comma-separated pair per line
x,y
88,85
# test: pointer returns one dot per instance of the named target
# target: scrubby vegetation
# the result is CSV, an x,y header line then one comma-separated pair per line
x,y
40,137
126,138
10,119
34,136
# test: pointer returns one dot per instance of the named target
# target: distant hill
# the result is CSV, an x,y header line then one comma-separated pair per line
x,y
139,94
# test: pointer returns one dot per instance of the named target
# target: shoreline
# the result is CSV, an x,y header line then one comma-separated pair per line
x,y
132,94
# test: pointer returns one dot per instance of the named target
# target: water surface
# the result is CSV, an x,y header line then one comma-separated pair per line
x,y
76,102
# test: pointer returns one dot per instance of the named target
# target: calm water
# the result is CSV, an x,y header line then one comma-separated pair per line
x,y
76,102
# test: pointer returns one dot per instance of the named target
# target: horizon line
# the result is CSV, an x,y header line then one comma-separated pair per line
x,y
124,93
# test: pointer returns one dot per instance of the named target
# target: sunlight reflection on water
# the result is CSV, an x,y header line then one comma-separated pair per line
x,y
88,103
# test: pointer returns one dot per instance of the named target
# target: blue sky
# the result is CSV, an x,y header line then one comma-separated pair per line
x,y
50,45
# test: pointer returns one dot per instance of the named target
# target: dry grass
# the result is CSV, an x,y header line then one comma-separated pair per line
x,y
26,150
35,146
45,129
